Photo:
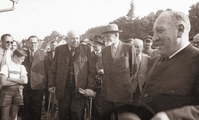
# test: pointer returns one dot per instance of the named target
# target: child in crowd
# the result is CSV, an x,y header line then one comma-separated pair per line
x,y
13,76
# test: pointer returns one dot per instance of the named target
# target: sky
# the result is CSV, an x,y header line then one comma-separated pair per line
x,y
41,17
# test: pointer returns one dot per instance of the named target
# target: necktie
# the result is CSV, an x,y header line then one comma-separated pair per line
x,y
165,59
138,60
113,50
72,51
31,56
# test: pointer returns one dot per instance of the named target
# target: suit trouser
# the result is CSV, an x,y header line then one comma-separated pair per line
x,y
71,108
32,104
105,108
46,99
137,95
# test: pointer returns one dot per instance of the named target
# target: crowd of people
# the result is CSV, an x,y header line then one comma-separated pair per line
x,y
158,77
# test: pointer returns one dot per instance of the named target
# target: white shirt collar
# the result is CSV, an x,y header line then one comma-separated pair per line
x,y
178,51
116,44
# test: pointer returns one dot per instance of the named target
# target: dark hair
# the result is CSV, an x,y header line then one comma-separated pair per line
x,y
33,36
5,35
97,36
148,37
19,52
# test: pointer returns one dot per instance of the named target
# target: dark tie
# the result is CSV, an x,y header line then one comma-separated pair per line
x,y
31,56
165,59
113,50
72,51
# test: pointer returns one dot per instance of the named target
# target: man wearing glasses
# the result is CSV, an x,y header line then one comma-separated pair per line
x,y
5,53
33,91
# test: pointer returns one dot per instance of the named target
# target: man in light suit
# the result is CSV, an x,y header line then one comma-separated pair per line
x,y
143,63
33,91
72,72
119,61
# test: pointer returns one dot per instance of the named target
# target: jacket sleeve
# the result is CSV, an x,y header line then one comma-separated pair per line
x,y
133,63
91,72
184,113
52,73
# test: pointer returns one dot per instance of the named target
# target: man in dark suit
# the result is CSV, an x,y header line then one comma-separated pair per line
x,y
119,61
173,80
33,91
48,62
143,64
72,71
96,54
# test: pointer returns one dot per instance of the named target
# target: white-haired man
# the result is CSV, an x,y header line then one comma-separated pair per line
x,y
142,63
173,80
71,72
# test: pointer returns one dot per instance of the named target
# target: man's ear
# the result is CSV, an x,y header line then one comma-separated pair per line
x,y
180,30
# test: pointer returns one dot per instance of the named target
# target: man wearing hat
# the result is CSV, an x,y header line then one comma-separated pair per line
x,y
147,45
196,41
98,43
119,61
130,40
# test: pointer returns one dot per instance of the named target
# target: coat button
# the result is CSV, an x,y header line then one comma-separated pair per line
x,y
146,95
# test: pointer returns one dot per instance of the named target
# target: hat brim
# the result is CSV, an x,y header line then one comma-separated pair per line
x,y
98,42
115,31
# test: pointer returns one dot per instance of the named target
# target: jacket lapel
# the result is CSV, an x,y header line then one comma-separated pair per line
x,y
77,53
50,56
66,53
119,51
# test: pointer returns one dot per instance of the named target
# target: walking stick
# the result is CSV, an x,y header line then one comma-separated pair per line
x,y
90,111
53,107
49,105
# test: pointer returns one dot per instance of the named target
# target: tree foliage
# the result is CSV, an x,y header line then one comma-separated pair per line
x,y
130,14
194,19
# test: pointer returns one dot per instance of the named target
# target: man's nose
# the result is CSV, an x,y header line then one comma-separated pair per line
x,y
155,38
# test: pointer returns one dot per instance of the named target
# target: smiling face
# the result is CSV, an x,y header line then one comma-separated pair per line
x,y
165,35
73,39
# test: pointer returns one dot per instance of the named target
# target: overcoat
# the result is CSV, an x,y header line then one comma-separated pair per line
x,y
83,68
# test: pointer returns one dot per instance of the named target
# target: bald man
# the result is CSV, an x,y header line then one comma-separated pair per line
x,y
72,73
142,62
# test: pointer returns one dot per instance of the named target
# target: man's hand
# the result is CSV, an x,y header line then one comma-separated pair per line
x,y
51,89
101,71
87,92
161,116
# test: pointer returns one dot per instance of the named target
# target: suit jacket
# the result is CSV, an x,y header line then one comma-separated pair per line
x,y
97,60
35,70
48,62
174,83
118,73
83,68
142,71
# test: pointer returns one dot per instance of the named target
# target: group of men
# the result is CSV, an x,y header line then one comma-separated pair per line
x,y
164,83
165,80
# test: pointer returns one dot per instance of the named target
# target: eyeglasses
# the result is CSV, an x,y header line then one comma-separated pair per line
x,y
9,42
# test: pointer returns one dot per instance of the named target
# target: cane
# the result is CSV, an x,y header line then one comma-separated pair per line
x,y
52,107
90,111
48,105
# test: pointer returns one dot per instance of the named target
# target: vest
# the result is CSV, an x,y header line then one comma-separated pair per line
x,y
70,82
